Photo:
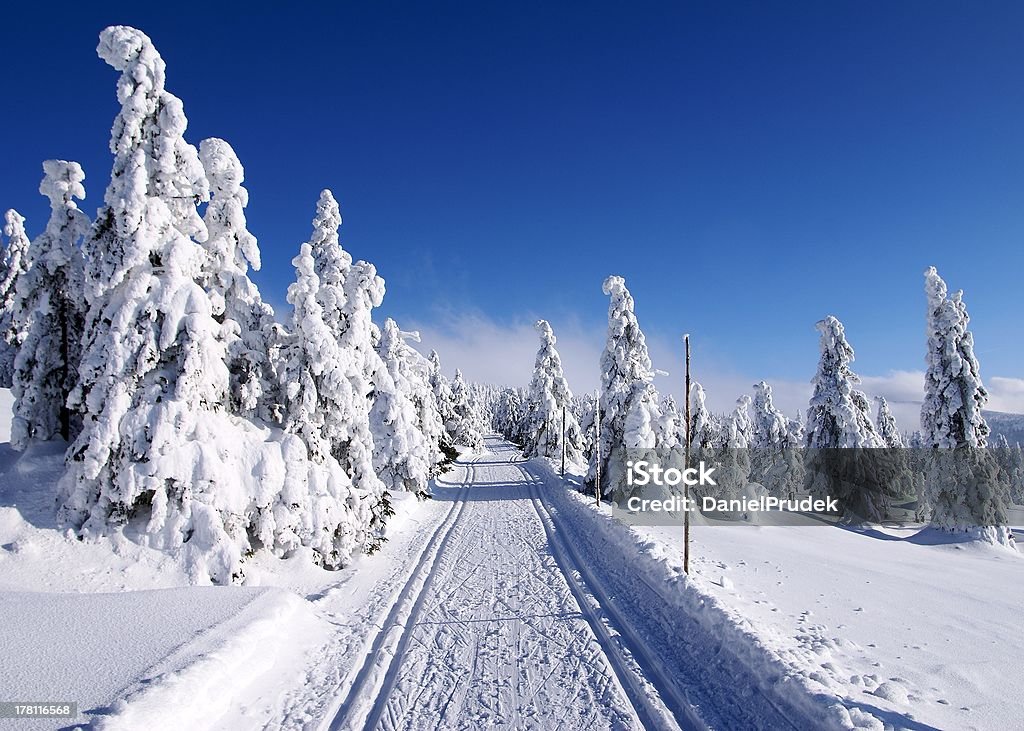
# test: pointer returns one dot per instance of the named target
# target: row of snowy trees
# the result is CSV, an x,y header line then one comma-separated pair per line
x,y
837,449
196,421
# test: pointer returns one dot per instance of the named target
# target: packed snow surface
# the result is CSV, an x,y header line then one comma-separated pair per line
x,y
511,598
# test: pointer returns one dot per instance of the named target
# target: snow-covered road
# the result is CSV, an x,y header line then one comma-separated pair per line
x,y
509,618
490,630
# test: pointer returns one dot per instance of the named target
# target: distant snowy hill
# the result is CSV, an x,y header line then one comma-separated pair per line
x,y
1010,426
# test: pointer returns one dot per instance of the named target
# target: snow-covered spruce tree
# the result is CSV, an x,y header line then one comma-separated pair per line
x,y
236,299
964,492
49,301
463,426
669,428
347,294
508,419
903,485
14,265
401,454
548,403
159,454
313,386
705,429
443,398
888,430
629,402
774,462
838,419
415,370
734,461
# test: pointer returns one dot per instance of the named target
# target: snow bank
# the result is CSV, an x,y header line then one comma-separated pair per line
x,y
882,625
194,687
86,648
736,641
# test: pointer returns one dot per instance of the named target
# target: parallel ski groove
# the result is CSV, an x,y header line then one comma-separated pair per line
x,y
681,713
352,712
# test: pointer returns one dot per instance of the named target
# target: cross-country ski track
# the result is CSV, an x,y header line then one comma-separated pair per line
x,y
510,609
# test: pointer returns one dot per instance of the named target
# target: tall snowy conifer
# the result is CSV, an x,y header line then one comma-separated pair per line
x,y
415,371
549,398
963,489
838,419
629,402
236,300
463,425
14,265
401,454
773,457
442,396
837,415
888,431
157,446
49,301
348,292
705,429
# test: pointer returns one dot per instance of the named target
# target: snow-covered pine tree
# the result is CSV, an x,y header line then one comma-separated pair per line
x,y
463,426
734,461
888,430
838,418
774,462
347,294
153,357
953,393
902,486
670,431
14,265
835,416
705,429
964,492
629,402
313,385
443,399
415,370
49,301
159,449
548,402
236,299
401,454
509,416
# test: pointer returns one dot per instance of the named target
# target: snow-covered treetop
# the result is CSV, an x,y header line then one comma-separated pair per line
x,y
625,355
886,423
14,260
230,241
332,261
738,426
152,160
770,427
54,248
62,183
954,395
704,429
837,415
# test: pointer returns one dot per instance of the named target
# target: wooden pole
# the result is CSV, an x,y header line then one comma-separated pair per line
x,y
597,443
563,440
686,489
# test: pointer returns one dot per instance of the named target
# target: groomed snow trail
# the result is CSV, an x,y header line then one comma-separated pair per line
x,y
490,631
511,618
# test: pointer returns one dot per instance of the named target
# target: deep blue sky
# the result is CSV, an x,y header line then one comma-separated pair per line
x,y
748,167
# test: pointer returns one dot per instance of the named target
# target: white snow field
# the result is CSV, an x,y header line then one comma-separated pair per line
x,y
509,600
